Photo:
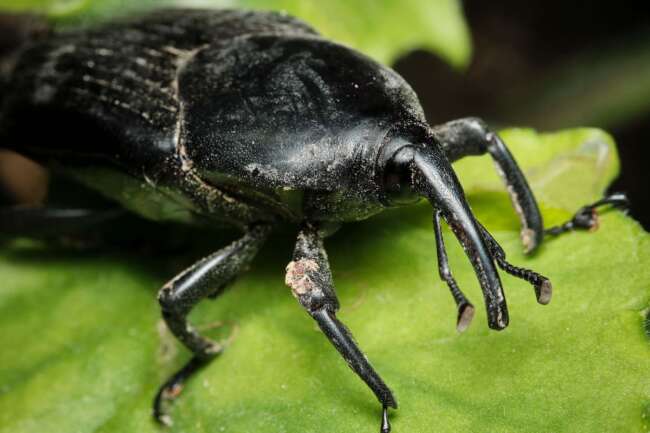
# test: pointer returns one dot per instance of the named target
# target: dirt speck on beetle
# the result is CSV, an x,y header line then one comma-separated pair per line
x,y
297,277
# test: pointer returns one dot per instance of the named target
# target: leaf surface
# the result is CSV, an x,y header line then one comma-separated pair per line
x,y
83,348
384,30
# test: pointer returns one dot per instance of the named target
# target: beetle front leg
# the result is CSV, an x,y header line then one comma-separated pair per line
x,y
310,280
471,136
542,285
207,277
464,306
587,217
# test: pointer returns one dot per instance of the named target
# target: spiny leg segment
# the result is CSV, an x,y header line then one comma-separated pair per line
x,y
542,285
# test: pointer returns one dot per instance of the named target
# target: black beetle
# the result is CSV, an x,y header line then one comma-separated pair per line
x,y
251,119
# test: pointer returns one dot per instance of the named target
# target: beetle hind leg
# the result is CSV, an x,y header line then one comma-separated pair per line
x,y
207,277
173,386
44,221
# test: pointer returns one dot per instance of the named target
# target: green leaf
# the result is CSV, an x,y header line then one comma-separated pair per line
x,y
565,169
83,348
383,30
52,8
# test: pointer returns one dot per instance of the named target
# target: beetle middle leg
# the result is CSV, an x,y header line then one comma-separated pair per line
x,y
310,280
471,136
207,277
43,221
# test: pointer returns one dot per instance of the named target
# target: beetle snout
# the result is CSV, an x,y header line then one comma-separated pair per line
x,y
468,236
433,178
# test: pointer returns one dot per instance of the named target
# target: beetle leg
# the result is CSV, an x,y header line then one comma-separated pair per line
x,y
587,216
310,280
35,221
208,276
471,136
433,178
465,307
542,285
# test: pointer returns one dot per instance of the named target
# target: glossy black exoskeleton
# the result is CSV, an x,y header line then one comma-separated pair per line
x,y
251,119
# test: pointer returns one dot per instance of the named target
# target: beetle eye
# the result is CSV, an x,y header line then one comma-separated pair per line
x,y
398,179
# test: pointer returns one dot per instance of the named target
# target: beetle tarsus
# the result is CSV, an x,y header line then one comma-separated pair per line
x,y
586,217
544,291
541,284
385,422
171,389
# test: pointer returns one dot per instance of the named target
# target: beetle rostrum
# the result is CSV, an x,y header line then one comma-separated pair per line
x,y
251,120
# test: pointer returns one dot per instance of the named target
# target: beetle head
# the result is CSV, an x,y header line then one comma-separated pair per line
x,y
414,166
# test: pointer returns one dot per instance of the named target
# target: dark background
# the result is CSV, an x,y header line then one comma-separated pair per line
x,y
543,64
526,50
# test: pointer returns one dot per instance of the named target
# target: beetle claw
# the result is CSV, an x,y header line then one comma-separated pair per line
x,y
465,316
544,291
385,423
165,420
